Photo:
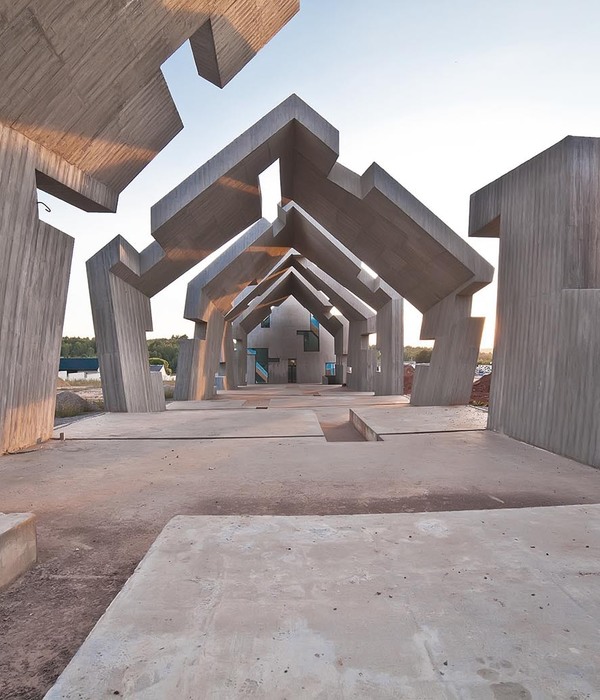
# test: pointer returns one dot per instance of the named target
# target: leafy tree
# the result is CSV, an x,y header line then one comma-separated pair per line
x,y
78,347
424,355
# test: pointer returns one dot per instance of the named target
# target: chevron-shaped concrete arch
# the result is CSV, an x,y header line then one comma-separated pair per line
x,y
200,360
373,215
254,253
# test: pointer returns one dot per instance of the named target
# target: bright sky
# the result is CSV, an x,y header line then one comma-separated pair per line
x,y
445,96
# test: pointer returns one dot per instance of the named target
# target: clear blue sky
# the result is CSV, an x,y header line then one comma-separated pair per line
x,y
446,96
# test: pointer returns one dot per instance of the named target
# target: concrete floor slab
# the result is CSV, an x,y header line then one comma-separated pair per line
x,y
101,503
379,422
485,605
213,405
207,424
18,546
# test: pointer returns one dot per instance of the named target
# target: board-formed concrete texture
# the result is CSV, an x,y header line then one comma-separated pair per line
x,y
79,120
18,546
546,381
372,215
475,604
186,425
376,423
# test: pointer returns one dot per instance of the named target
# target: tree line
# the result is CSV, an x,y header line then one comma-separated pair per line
x,y
168,349
158,348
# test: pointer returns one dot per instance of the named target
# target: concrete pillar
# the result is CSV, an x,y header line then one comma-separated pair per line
x,y
390,343
122,315
228,355
448,379
241,352
35,260
199,359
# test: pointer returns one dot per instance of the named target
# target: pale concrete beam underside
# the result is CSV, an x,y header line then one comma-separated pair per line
x,y
372,215
83,80
83,108
546,380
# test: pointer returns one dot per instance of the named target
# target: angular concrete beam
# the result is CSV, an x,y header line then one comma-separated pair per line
x,y
102,105
546,379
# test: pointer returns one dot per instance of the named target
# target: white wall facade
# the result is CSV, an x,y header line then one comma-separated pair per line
x,y
284,343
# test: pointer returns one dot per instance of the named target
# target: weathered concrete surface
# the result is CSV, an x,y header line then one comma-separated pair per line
x,y
384,606
371,214
189,425
382,422
87,493
18,546
84,108
546,381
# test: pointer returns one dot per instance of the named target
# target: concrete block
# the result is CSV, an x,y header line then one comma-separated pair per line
x,y
18,546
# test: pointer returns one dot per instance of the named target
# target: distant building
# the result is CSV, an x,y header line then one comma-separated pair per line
x,y
74,368
289,347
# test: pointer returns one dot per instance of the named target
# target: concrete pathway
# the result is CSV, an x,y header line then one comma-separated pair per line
x,y
481,605
100,503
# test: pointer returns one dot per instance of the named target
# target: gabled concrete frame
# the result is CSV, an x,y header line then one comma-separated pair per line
x,y
195,379
248,260
546,379
374,216
79,120
285,281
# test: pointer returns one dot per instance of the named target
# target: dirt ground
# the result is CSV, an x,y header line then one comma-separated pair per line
x,y
101,503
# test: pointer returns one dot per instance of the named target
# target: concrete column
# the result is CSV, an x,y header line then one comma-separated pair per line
x,y
122,315
228,355
448,380
390,342
35,260
241,352
199,359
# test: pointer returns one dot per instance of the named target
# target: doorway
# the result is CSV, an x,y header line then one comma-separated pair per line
x,y
292,371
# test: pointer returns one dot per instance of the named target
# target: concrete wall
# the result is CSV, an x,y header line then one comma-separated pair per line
x,y
35,260
546,374
283,342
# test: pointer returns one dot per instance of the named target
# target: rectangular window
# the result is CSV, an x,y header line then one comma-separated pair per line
x,y
266,322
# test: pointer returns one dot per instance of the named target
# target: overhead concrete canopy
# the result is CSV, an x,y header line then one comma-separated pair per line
x,y
82,80
372,214
258,251
291,284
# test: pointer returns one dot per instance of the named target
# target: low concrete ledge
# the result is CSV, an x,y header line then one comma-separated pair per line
x,y
386,423
18,546
363,428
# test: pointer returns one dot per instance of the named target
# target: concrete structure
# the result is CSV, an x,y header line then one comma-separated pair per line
x,y
18,546
546,379
361,606
79,119
274,291
372,215
288,359
259,252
